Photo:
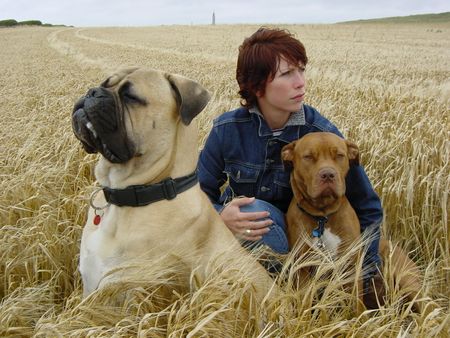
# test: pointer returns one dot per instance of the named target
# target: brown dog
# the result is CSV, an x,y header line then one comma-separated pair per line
x,y
320,163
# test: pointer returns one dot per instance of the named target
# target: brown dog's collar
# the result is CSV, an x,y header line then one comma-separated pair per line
x,y
141,195
320,220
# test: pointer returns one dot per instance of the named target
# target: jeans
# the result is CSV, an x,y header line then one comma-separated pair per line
x,y
276,238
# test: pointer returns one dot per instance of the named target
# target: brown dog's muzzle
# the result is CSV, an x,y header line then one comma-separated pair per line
x,y
327,183
327,175
97,121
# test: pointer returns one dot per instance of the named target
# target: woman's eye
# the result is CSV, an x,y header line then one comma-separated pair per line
x,y
301,69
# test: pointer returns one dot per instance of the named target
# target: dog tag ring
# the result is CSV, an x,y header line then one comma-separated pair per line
x,y
97,210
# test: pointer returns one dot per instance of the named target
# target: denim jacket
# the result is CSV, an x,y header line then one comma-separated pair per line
x,y
244,151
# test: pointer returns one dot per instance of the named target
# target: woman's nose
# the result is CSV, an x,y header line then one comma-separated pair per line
x,y
299,79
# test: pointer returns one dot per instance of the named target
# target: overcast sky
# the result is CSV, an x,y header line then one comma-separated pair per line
x,y
83,13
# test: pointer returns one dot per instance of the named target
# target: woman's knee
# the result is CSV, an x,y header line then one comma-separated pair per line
x,y
276,238
276,214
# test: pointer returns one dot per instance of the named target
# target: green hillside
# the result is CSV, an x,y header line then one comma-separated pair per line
x,y
422,18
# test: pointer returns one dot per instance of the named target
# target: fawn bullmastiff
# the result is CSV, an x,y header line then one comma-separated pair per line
x,y
320,214
150,206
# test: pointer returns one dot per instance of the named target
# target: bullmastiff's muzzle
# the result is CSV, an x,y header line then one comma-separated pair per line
x,y
97,121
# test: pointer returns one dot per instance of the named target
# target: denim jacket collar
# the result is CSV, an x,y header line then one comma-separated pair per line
x,y
284,134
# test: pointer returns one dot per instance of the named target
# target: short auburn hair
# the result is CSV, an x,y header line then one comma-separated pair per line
x,y
258,59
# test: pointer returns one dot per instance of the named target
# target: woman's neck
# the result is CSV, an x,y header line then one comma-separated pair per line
x,y
276,121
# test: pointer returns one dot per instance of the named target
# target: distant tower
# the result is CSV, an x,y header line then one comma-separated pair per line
x,y
214,19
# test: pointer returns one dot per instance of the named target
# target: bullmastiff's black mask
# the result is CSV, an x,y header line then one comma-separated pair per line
x,y
98,122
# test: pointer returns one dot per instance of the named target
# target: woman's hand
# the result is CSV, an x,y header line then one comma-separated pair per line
x,y
250,226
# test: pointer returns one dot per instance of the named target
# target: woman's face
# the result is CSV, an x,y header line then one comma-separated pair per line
x,y
285,93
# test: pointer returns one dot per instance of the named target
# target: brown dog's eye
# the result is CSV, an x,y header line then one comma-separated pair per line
x,y
340,156
307,157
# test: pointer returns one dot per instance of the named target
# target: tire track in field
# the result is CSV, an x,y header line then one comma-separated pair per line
x,y
159,50
69,50
216,73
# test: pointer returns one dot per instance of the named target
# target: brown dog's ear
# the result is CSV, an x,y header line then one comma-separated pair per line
x,y
353,153
191,97
287,156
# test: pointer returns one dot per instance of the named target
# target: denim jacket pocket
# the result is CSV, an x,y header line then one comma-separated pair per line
x,y
242,179
282,185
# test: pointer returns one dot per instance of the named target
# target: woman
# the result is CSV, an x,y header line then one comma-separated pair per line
x,y
244,146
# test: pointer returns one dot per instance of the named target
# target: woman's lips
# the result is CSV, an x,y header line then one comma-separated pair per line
x,y
298,97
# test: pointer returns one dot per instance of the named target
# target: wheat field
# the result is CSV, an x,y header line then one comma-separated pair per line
x,y
386,86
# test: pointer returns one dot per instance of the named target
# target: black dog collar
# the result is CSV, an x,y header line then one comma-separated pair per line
x,y
140,195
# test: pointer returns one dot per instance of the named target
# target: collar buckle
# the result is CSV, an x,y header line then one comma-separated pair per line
x,y
169,189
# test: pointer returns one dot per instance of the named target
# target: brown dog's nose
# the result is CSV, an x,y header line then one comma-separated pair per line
x,y
327,174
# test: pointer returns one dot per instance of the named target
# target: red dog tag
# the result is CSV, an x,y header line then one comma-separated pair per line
x,y
97,219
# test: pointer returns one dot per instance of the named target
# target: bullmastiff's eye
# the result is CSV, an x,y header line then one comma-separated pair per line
x,y
308,157
129,96
340,156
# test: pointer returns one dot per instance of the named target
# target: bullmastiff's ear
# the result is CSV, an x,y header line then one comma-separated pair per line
x,y
118,76
353,153
191,97
287,156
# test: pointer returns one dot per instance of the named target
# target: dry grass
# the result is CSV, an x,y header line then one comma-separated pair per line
x,y
386,86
